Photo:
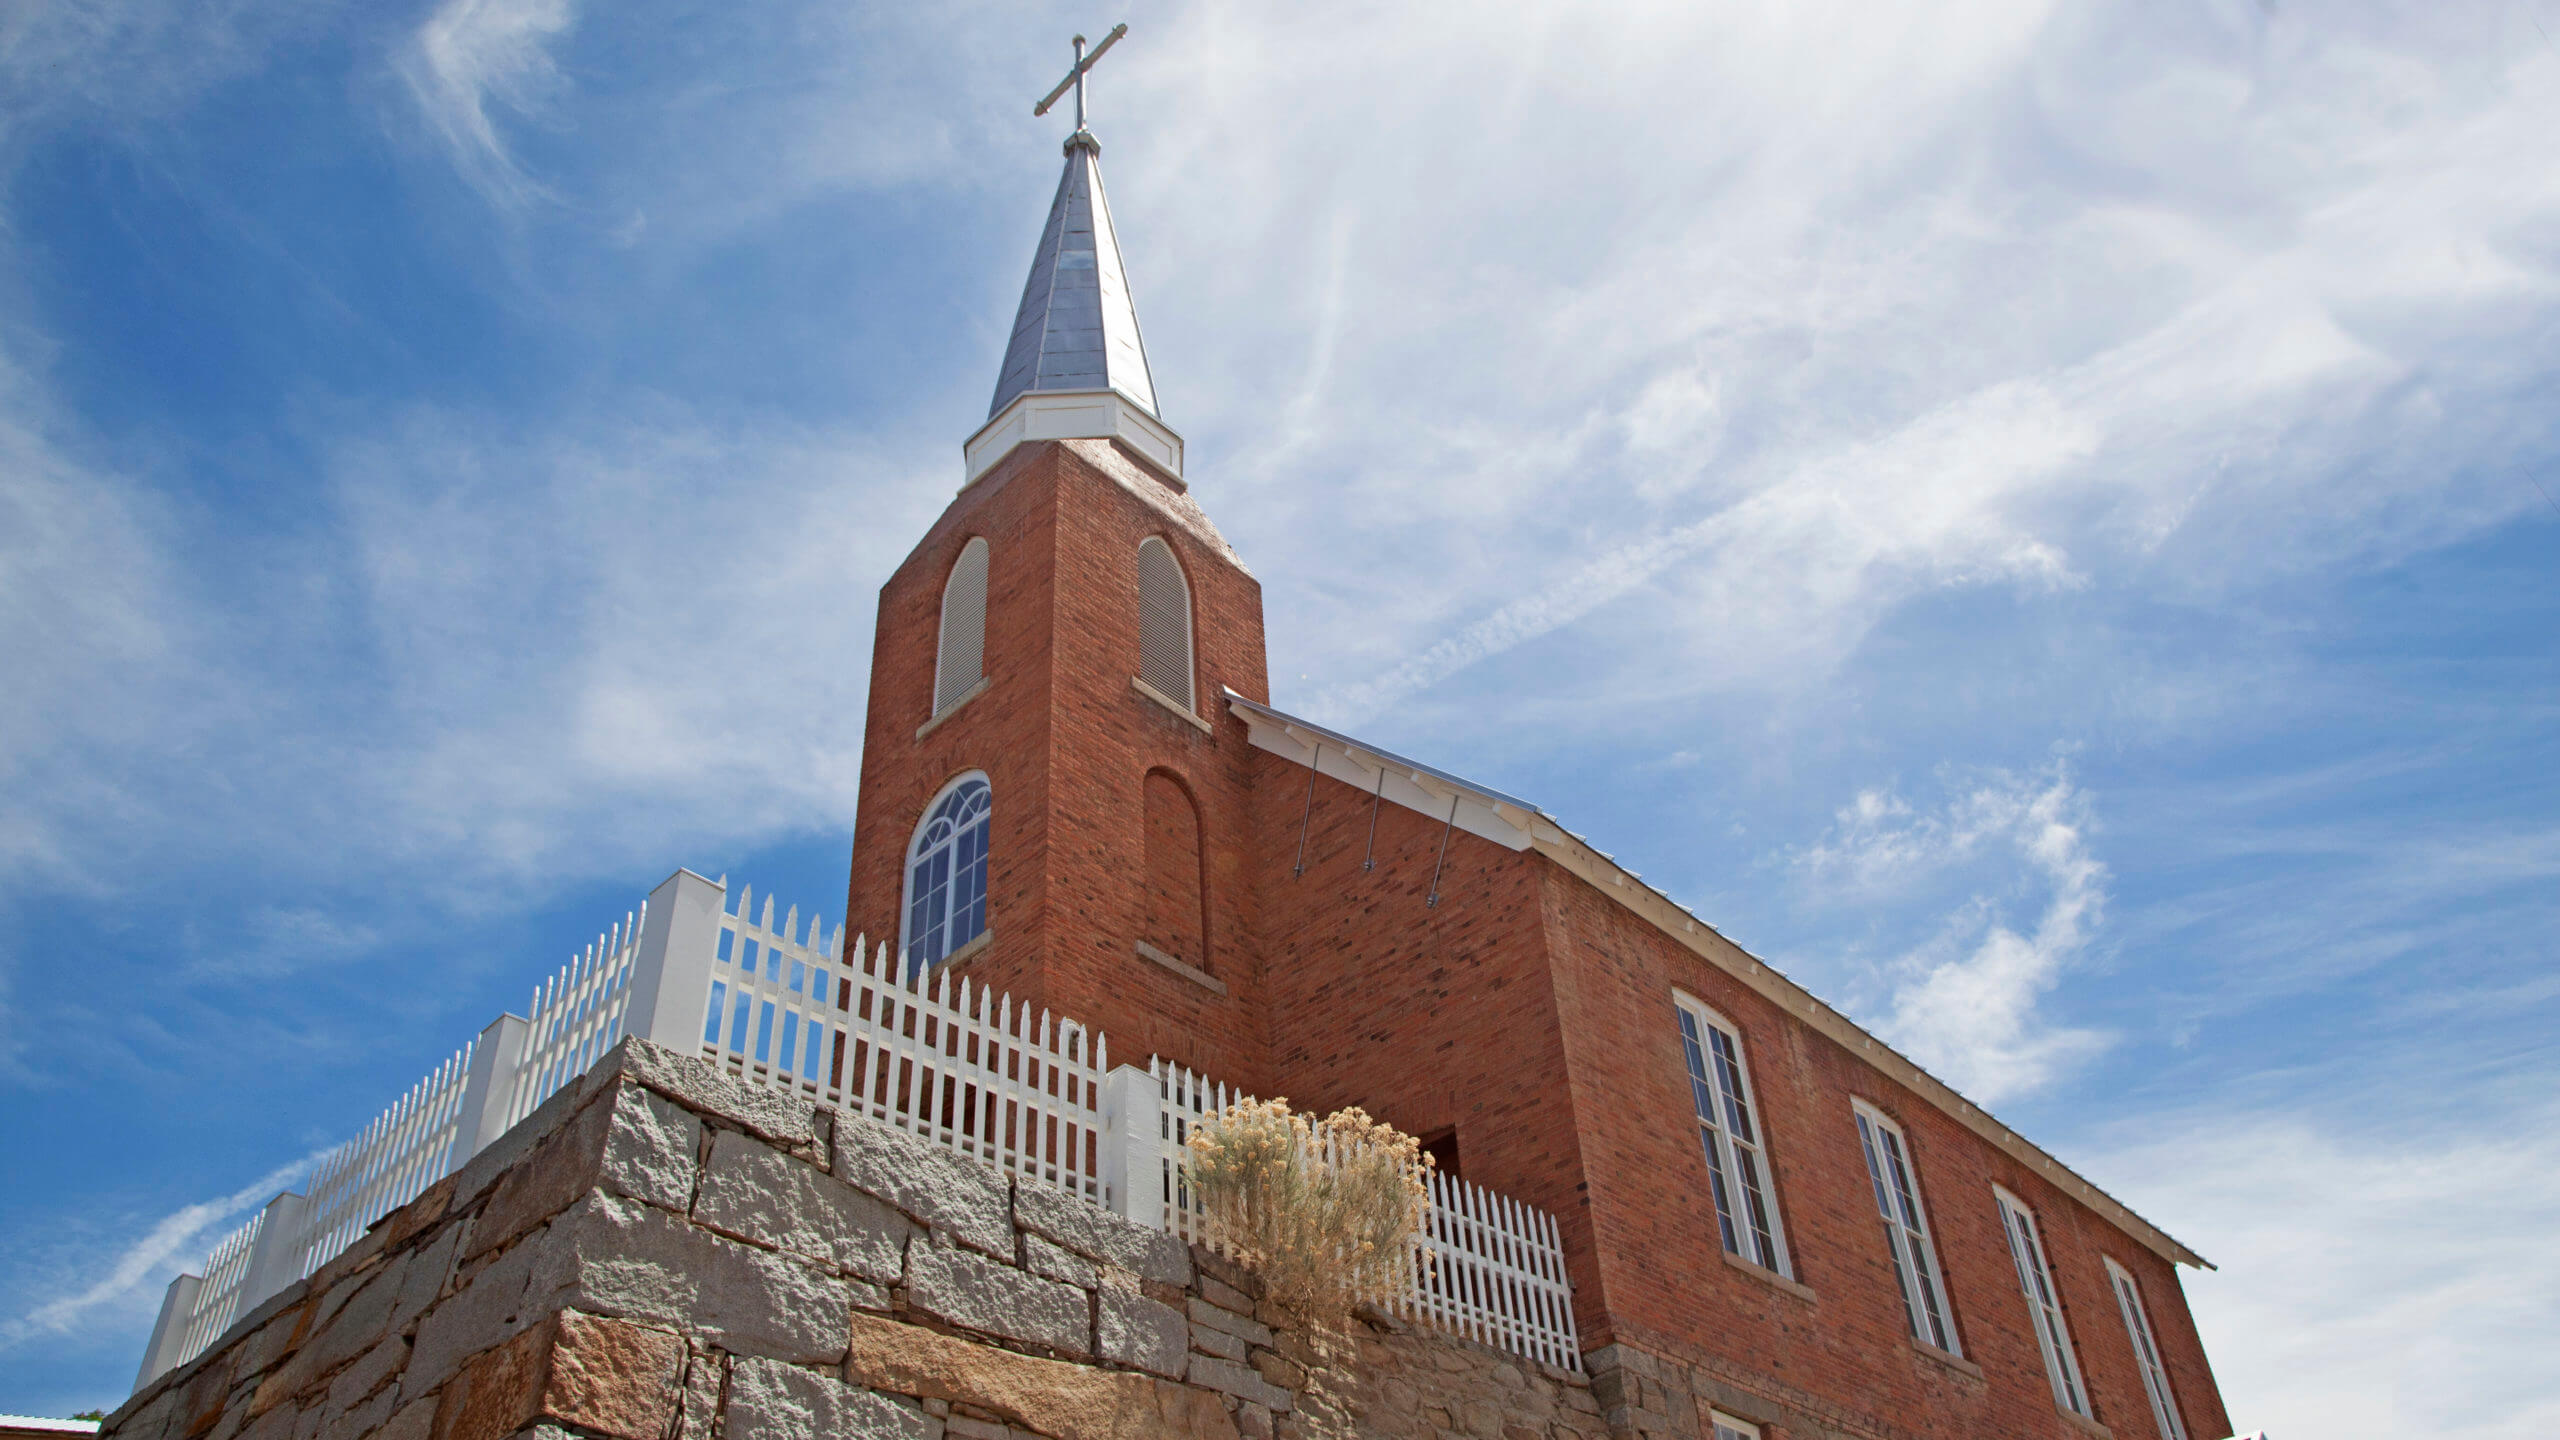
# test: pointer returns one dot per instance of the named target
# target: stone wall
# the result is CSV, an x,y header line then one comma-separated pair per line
x,y
663,1253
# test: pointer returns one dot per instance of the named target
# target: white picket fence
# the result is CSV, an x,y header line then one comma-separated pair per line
x,y
956,1063
1485,1267
406,1149
1034,1095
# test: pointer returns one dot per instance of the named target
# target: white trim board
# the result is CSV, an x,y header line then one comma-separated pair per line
x,y
1072,415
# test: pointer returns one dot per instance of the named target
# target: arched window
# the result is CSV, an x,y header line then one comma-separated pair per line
x,y
1176,916
960,663
947,874
1164,622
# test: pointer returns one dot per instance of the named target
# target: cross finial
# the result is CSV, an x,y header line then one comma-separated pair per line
x,y
1075,76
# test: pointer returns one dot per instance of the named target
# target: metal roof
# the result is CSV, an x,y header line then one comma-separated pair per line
x,y
1077,328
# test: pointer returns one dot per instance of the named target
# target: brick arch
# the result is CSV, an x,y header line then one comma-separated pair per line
x,y
1177,889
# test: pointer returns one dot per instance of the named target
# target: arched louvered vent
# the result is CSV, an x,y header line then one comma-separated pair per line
x,y
962,662
1164,622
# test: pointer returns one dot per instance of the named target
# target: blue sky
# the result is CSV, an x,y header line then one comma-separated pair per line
x,y
2038,519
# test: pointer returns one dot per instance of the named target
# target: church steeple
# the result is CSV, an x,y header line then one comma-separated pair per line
x,y
1077,328
1075,366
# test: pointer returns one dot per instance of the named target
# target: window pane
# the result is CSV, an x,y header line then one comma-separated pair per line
x,y
1729,1077
1764,1246
1902,1183
1936,1334
1715,1181
1875,1170
1893,1243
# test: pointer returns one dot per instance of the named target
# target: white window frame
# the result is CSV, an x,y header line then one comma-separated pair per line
x,y
1721,1426
1738,1169
2146,1351
1186,699
2044,1304
1894,1178
910,961
949,689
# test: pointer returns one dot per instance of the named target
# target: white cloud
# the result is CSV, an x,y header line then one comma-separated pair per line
x,y
1965,1003
125,1278
2382,1274
472,58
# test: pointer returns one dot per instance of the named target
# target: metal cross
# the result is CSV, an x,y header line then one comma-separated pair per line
x,y
1075,76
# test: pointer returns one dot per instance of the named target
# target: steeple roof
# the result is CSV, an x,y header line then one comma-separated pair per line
x,y
1077,328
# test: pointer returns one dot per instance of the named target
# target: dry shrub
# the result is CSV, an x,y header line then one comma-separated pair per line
x,y
1325,1211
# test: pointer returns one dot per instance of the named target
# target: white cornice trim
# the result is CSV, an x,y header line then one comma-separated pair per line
x,y
1037,415
1407,785
1517,825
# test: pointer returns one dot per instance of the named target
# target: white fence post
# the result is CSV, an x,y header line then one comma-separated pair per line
x,y
169,1334
1132,1124
275,1261
671,975
490,1092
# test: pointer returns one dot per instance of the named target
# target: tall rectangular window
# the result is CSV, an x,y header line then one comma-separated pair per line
x,y
1728,1428
1906,1228
2044,1303
1728,1132
2155,1376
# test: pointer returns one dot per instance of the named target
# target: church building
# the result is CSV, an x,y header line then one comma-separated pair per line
x,y
1076,788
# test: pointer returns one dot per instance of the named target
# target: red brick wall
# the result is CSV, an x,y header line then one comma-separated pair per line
x,y
1433,1018
1668,1285
1067,742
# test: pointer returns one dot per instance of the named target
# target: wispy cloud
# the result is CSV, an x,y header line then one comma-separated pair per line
x,y
126,1274
474,61
92,633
